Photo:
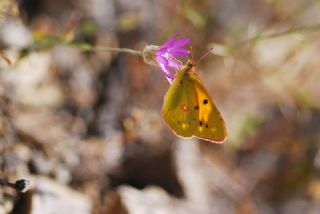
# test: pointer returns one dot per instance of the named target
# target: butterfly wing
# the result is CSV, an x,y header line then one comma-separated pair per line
x,y
189,110
210,125
177,109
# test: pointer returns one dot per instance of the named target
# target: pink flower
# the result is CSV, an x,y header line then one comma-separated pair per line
x,y
166,56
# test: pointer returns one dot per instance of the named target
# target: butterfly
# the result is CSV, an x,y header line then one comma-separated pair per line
x,y
189,110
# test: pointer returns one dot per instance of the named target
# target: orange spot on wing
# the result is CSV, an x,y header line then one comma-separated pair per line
x,y
185,108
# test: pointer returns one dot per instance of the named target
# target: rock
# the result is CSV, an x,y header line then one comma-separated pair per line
x,y
6,206
151,200
32,82
50,197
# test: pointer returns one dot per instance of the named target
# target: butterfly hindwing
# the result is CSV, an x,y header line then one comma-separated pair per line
x,y
211,126
189,110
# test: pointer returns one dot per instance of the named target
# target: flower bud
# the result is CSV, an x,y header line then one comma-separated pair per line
x,y
149,54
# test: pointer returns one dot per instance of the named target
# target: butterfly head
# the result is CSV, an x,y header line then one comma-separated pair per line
x,y
191,64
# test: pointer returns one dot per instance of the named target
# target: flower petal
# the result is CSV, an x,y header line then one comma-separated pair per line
x,y
162,60
179,52
181,42
175,64
167,73
170,41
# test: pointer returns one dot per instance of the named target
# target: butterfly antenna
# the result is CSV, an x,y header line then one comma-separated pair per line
x,y
204,55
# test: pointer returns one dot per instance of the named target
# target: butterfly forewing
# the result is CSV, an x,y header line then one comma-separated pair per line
x,y
177,109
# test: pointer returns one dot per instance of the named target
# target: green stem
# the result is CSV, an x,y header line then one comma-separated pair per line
x,y
87,47
278,34
119,50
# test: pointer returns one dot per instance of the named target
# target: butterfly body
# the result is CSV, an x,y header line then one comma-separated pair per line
x,y
189,110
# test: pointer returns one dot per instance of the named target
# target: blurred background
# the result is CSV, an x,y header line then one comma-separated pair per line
x,y
85,126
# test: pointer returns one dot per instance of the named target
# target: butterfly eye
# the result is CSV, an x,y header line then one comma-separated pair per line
x,y
190,64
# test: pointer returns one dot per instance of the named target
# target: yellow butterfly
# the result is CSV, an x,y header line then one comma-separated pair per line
x,y
188,109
